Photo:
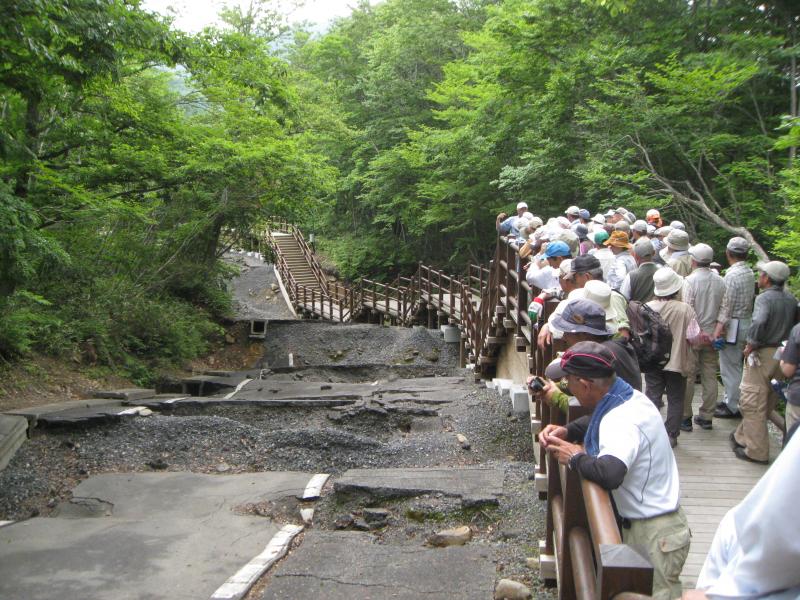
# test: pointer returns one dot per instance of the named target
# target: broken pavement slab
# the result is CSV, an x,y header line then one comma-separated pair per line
x,y
364,569
433,391
126,394
167,535
13,433
77,412
473,485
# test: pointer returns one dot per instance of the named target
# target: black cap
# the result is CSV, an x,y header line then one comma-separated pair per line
x,y
585,263
584,359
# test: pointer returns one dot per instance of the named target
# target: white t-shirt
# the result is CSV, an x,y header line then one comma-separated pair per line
x,y
634,433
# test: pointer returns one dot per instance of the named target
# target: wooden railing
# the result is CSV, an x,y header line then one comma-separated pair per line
x,y
583,547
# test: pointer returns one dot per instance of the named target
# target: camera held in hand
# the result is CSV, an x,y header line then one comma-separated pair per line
x,y
537,384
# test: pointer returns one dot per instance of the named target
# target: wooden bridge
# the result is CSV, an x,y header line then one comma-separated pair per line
x,y
582,550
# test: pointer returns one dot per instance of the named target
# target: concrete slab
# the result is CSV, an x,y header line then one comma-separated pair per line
x,y
169,535
78,412
127,394
365,570
473,485
519,399
13,433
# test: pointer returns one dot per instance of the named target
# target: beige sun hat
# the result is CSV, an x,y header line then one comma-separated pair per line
x,y
600,292
667,282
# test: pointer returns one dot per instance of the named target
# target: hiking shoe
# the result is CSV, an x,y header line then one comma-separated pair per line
x,y
686,424
673,441
724,412
704,423
741,454
734,443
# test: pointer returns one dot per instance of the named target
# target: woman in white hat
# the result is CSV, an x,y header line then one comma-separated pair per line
x,y
672,378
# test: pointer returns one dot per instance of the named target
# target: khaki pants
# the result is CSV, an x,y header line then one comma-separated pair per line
x,y
756,402
667,540
705,363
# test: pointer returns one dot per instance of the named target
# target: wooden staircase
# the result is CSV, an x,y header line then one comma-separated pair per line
x,y
302,270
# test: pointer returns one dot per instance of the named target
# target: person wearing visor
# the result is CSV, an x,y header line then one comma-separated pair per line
x,y
623,447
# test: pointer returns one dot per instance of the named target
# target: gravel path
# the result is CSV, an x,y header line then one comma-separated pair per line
x,y
254,290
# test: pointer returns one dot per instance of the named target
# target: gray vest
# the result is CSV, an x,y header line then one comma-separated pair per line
x,y
642,284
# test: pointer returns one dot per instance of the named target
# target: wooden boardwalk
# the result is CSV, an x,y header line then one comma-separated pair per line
x,y
713,481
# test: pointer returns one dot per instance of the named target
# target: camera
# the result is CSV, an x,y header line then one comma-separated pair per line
x,y
537,385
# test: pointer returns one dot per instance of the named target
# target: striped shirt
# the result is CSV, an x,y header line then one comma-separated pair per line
x,y
737,303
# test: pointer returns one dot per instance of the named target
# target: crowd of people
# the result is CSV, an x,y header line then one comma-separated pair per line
x,y
643,313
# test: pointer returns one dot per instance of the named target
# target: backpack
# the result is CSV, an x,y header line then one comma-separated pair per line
x,y
651,337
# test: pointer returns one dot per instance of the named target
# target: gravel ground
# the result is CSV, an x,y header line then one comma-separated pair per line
x,y
253,293
322,343
231,439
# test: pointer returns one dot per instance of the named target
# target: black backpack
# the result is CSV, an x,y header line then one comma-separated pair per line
x,y
651,337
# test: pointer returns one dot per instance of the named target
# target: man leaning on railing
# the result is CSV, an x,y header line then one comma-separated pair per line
x,y
626,451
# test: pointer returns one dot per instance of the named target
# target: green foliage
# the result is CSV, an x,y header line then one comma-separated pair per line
x,y
131,155
119,173
25,317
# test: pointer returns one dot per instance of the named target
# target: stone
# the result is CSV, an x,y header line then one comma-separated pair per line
x,y
463,441
508,589
307,514
450,537
343,522
375,515
145,412
361,524
510,534
532,563
229,339
223,468
274,287
157,464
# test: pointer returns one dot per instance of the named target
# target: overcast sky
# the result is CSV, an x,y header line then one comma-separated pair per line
x,y
193,15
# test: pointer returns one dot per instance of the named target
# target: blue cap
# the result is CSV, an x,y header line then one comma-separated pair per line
x,y
584,214
557,248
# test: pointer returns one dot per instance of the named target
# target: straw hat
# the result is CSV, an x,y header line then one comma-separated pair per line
x,y
618,239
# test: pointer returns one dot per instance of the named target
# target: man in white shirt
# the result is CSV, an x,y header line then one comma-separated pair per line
x,y
626,451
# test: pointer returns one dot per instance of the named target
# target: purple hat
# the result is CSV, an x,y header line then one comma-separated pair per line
x,y
584,359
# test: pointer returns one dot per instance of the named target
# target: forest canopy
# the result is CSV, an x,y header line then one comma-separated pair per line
x,y
134,155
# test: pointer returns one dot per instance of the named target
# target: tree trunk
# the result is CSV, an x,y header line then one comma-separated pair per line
x,y
31,135
792,86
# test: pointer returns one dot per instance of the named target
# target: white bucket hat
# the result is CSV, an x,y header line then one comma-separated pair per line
x,y
667,282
